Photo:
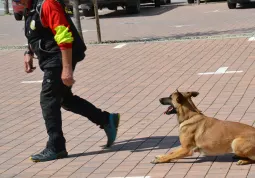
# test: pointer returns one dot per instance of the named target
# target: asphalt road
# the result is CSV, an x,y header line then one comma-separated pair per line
x,y
177,20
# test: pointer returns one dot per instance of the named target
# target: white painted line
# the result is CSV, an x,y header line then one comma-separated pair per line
x,y
212,11
206,73
232,72
3,34
179,26
251,39
120,45
37,81
84,31
221,70
129,23
132,177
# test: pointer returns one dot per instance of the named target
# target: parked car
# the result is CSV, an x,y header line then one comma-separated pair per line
x,y
18,9
232,3
131,6
190,1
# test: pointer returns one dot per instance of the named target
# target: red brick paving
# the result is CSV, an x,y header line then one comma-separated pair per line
x,y
129,80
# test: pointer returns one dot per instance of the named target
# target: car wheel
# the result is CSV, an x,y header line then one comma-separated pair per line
x,y
18,16
231,5
190,1
163,2
88,12
157,3
134,9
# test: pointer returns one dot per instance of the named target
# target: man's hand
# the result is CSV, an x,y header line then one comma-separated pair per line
x,y
67,76
28,61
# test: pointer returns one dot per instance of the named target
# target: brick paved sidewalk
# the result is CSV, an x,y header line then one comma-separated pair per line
x,y
129,80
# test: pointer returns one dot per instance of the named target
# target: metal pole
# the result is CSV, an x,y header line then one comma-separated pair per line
x,y
97,21
77,20
6,7
198,2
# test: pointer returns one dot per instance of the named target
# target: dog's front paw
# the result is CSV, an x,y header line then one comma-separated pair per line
x,y
244,162
158,159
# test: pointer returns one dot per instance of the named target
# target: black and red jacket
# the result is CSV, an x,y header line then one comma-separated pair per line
x,y
49,29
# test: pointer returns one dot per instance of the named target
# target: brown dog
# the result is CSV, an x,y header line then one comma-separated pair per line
x,y
199,133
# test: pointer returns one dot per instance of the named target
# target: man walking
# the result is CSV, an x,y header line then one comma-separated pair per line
x,y
54,39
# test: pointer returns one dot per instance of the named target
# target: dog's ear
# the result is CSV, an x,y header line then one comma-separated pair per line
x,y
180,98
193,93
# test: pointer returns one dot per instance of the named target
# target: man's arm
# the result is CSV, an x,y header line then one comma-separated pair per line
x,y
67,73
29,50
54,18
28,60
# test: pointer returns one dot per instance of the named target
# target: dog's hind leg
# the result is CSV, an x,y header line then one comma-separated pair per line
x,y
244,148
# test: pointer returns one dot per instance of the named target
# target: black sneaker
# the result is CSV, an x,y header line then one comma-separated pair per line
x,y
48,155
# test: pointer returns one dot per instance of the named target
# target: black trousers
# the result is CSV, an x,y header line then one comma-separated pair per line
x,y
55,95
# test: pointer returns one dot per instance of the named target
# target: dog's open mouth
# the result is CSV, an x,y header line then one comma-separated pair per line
x,y
169,109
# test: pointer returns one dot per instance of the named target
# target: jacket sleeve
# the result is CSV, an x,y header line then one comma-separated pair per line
x,y
53,17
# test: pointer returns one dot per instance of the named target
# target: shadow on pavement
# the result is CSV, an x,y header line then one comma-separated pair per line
x,y
209,33
244,32
227,158
146,10
156,143
137,145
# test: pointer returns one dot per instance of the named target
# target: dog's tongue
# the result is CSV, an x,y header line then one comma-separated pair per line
x,y
168,109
